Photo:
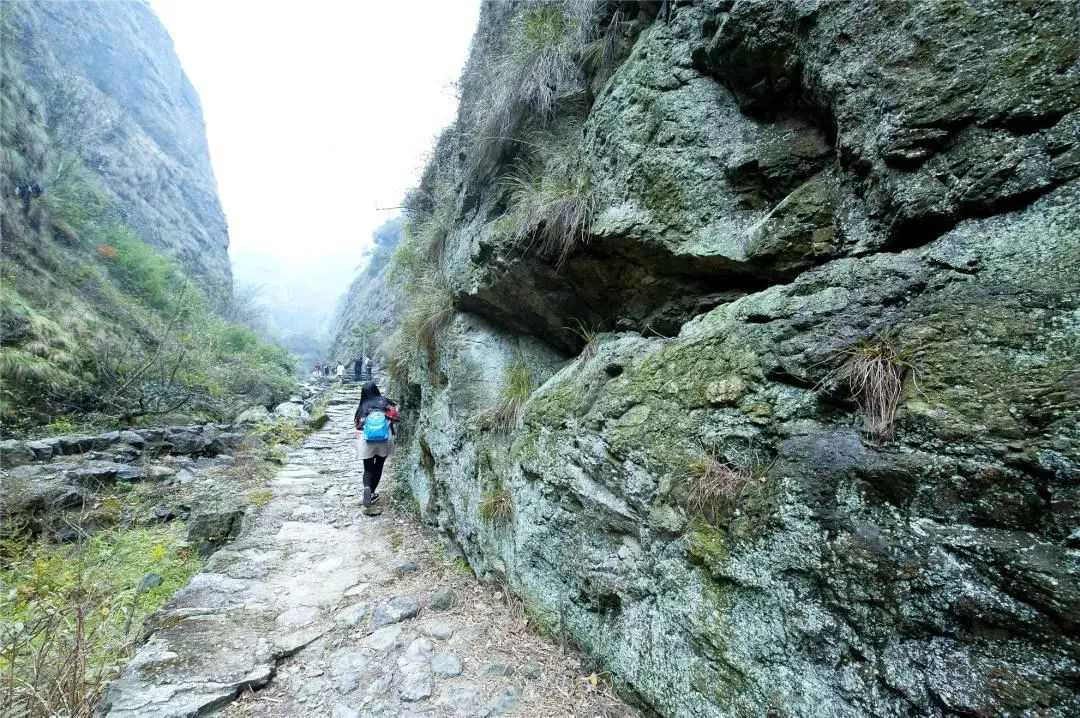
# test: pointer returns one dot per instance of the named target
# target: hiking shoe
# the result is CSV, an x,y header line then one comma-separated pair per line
x,y
374,498
367,496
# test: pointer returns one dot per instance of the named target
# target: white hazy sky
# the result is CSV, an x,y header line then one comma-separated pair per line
x,y
319,112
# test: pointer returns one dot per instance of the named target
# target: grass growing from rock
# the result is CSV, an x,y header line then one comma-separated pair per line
x,y
517,386
715,484
874,369
70,615
497,507
431,311
552,209
539,65
587,334
719,487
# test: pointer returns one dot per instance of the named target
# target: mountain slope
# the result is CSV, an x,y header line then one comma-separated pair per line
x,y
117,289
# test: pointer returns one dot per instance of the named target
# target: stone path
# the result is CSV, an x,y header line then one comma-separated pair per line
x,y
319,610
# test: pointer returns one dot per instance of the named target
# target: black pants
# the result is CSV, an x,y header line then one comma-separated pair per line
x,y
373,471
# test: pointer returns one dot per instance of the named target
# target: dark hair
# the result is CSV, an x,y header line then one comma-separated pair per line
x,y
369,391
370,399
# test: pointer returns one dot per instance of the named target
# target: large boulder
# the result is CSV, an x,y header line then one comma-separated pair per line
x,y
96,473
185,439
291,411
251,416
44,449
15,453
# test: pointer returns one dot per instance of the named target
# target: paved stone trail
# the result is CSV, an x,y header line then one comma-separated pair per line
x,y
319,610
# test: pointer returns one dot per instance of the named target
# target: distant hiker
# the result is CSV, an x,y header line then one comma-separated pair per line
x,y
358,369
315,374
367,368
374,419
340,370
318,368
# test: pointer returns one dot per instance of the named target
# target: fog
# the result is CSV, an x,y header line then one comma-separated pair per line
x,y
319,117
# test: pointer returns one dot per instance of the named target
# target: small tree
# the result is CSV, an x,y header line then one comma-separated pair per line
x,y
362,337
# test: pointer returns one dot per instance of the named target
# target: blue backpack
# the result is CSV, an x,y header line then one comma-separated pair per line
x,y
376,426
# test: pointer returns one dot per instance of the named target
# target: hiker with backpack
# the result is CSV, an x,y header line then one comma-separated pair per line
x,y
374,419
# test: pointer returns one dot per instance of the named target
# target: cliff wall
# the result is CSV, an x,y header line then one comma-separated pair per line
x,y
111,94
745,343
117,294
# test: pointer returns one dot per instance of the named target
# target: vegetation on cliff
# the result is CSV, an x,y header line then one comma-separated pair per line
x,y
99,326
787,285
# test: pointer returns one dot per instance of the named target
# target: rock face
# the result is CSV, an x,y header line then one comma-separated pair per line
x,y
701,496
114,93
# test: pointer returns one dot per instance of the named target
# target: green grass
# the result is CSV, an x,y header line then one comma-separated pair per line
x,y
497,507
260,497
70,615
516,388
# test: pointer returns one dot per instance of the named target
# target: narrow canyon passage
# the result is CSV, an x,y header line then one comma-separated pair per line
x,y
319,610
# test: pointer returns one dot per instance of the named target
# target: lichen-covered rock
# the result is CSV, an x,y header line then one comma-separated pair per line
x,y
788,193
209,529
290,411
103,473
15,453
254,415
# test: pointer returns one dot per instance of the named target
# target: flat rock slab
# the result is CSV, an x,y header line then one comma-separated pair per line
x,y
395,610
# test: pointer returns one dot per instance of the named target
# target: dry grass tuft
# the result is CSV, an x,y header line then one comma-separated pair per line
x,y
539,65
552,210
875,370
430,312
716,485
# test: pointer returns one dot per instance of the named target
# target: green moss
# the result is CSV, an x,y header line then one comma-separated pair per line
x,y
260,497
526,446
662,193
707,545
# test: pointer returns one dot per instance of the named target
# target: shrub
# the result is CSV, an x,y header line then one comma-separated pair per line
x,y
497,507
69,615
874,370
141,269
552,209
